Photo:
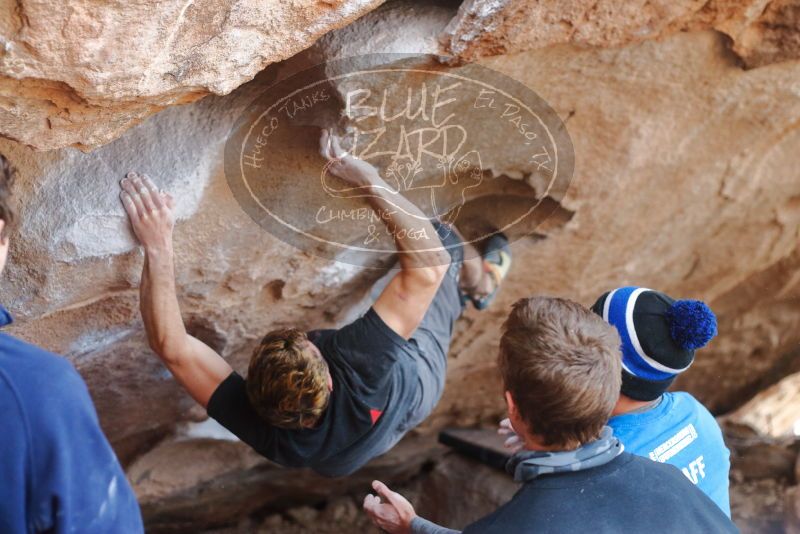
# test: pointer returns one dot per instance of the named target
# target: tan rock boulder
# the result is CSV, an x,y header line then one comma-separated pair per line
x,y
685,180
762,32
774,411
227,481
80,73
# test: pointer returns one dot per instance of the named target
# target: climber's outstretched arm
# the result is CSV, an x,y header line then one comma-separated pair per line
x,y
197,367
423,260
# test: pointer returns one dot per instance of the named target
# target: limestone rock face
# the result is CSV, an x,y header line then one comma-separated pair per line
x,y
459,491
80,73
762,31
685,180
228,480
772,412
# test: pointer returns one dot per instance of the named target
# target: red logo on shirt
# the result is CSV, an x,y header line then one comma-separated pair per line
x,y
375,415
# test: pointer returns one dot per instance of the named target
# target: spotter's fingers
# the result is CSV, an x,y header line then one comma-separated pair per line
x,y
505,426
371,502
388,495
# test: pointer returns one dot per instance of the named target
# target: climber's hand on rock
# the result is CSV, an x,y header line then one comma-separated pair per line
x,y
513,442
352,170
389,511
149,210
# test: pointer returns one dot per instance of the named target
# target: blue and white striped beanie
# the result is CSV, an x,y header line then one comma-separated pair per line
x,y
659,336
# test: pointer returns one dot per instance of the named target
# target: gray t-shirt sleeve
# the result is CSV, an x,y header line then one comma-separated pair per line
x,y
420,525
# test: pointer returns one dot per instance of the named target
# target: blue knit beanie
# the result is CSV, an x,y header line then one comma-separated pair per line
x,y
659,336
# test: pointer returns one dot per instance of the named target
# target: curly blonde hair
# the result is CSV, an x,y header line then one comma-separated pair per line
x,y
287,381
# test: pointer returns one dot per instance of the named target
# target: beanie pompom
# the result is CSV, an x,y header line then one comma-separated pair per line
x,y
692,324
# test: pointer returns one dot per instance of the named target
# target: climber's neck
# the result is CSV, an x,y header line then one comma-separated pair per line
x,y
626,404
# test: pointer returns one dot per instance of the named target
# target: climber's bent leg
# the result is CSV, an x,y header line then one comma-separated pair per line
x,y
431,340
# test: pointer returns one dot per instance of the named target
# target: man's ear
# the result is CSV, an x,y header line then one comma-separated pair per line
x,y
512,407
517,423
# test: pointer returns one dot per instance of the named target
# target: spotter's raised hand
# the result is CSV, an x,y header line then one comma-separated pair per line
x,y
389,510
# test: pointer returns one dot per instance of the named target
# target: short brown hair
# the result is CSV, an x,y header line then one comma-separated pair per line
x,y
562,365
7,174
287,382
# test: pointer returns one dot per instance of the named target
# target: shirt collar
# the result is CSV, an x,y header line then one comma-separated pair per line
x,y
5,317
649,406
635,419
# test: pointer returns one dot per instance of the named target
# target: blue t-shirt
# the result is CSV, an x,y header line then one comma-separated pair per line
x,y
58,472
680,432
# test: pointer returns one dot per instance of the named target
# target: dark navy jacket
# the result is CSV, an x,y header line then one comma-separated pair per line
x,y
630,495
57,471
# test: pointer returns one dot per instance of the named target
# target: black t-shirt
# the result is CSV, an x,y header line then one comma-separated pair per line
x,y
374,381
